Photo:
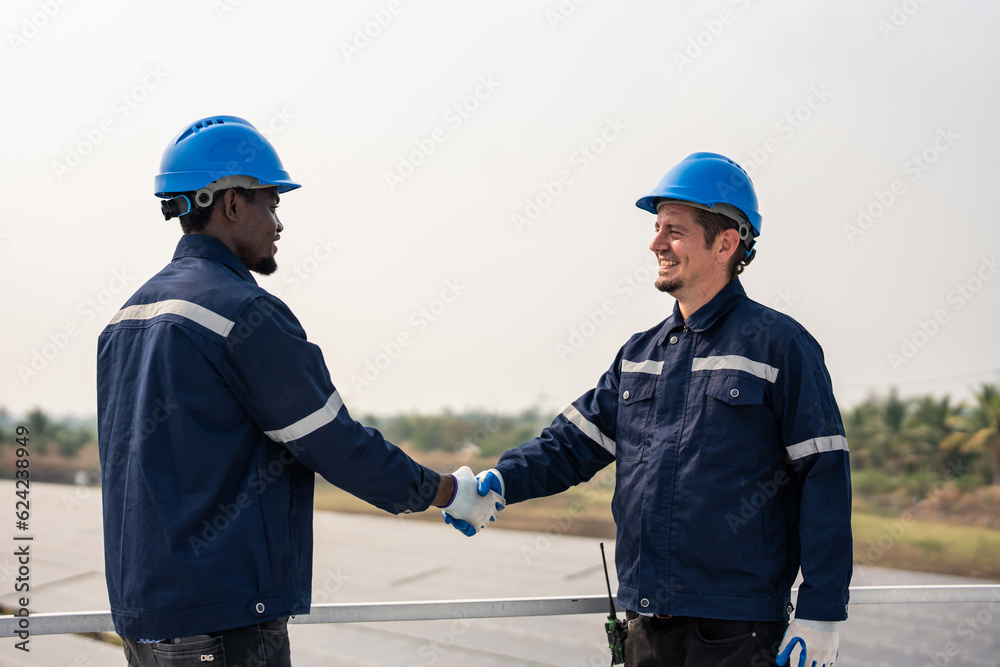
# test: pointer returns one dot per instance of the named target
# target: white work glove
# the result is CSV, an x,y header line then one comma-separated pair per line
x,y
474,504
816,643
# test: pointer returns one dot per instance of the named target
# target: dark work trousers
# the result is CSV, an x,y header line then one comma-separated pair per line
x,y
261,645
681,641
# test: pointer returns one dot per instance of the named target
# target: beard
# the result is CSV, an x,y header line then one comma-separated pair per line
x,y
669,285
264,266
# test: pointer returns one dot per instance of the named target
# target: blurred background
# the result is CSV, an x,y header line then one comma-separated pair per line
x,y
465,247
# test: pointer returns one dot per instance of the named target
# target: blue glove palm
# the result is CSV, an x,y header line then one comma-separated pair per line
x,y
489,480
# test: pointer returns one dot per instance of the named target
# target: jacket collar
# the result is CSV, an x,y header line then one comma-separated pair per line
x,y
208,247
706,316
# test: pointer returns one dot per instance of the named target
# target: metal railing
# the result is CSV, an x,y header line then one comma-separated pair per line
x,y
430,610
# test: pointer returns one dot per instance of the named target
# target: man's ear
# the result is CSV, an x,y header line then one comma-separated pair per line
x,y
230,206
727,242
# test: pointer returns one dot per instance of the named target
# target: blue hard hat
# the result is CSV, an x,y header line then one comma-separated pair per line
x,y
711,181
216,147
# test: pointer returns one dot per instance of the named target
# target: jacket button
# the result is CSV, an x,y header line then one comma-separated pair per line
x,y
625,395
734,392
259,608
789,609
644,602
673,339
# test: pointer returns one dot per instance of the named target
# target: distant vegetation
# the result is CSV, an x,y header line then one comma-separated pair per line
x,y
925,473
923,440
911,444
480,433
63,450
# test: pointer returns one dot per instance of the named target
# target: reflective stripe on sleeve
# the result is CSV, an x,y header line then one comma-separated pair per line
x,y
310,423
589,429
651,367
827,443
736,363
192,311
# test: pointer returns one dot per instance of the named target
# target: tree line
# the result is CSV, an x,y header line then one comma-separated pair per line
x,y
901,436
892,435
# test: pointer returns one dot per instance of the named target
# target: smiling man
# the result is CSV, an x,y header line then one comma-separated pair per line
x,y
732,465
214,416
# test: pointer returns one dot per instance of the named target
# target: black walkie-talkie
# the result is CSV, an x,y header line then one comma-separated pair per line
x,y
616,629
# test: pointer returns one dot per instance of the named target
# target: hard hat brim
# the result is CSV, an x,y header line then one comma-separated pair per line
x,y
651,202
192,181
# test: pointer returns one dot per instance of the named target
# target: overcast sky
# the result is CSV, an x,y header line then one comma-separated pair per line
x,y
466,234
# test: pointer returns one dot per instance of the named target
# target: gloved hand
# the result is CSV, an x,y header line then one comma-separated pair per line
x,y
489,500
816,641
476,502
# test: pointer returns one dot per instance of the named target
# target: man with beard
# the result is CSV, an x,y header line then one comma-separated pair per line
x,y
732,468
214,416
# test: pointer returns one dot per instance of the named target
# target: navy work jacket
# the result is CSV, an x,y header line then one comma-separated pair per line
x,y
731,466
214,415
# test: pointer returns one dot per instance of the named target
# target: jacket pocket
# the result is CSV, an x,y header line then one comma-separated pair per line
x,y
731,421
636,395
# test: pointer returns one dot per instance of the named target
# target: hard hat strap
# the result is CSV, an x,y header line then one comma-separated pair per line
x,y
203,198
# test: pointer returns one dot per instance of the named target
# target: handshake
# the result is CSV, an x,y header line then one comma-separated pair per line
x,y
478,500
